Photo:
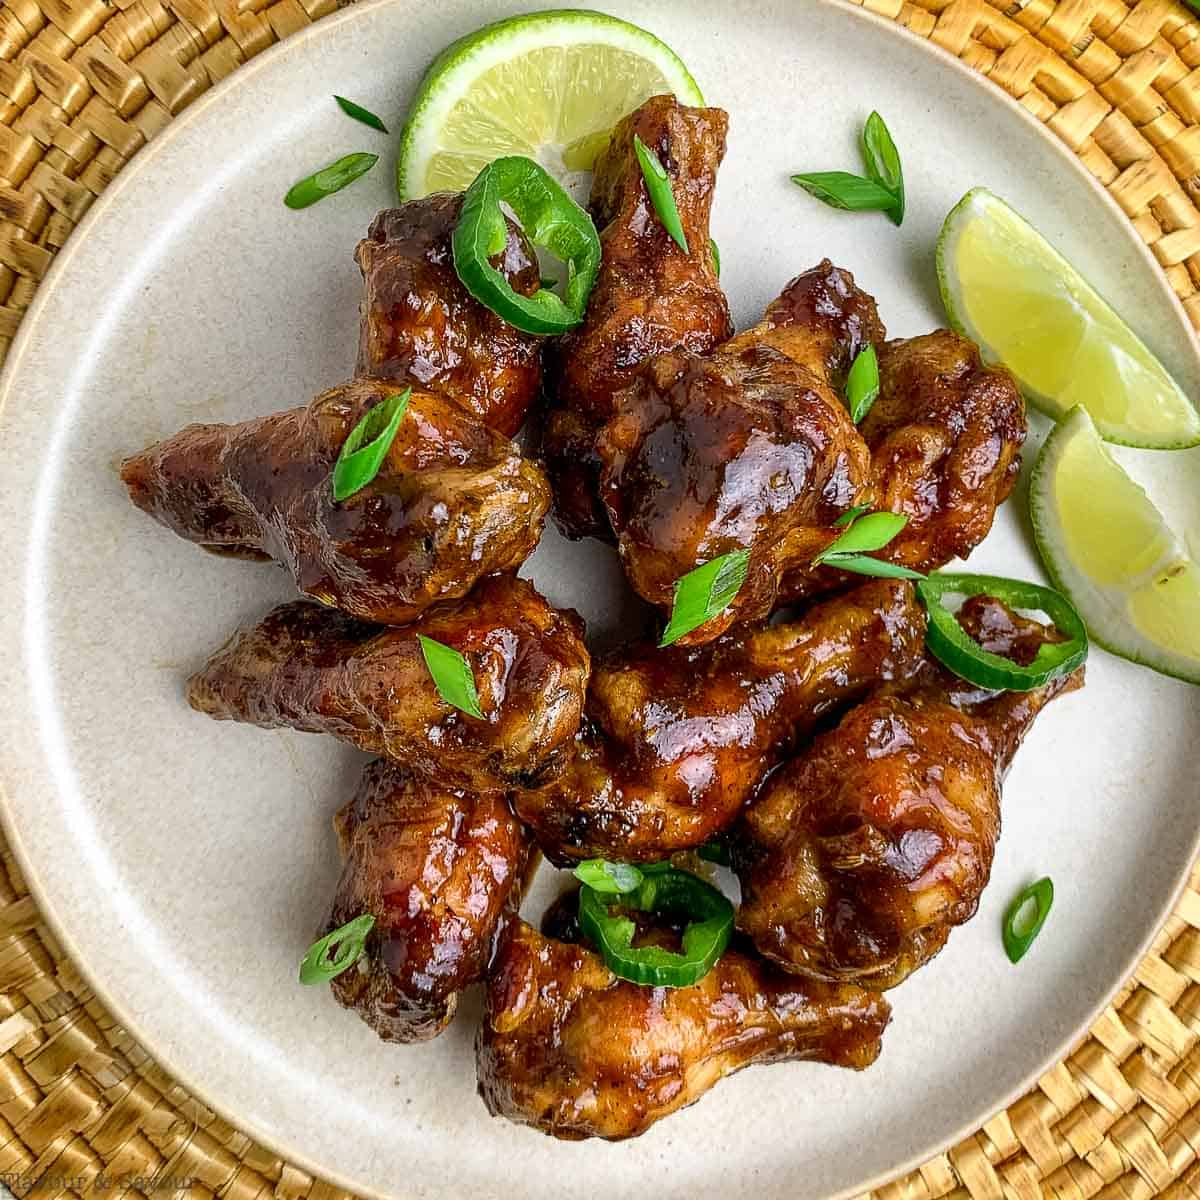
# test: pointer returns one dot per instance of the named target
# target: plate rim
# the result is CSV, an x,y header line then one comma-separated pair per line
x,y
143,161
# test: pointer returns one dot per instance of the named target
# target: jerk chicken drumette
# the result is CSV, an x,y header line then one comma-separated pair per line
x,y
675,741
454,501
567,1047
650,296
862,854
315,669
420,325
438,869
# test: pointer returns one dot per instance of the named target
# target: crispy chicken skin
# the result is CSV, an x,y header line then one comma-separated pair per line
x,y
317,670
862,854
570,1049
748,447
676,740
453,501
945,437
419,325
439,870
650,297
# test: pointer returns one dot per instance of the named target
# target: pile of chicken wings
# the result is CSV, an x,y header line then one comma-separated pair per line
x,y
855,782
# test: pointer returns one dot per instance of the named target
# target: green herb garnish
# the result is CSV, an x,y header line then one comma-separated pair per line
x,y
882,161
319,966
883,188
363,452
704,592
1025,917
604,876
365,115
862,383
329,179
658,186
716,256
451,676
862,534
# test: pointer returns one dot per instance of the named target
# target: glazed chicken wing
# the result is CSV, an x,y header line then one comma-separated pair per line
x,y
320,671
421,326
567,1047
650,297
863,853
945,437
748,447
676,740
438,870
453,501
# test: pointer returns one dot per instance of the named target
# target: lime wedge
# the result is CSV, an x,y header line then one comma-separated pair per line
x,y
1005,287
1107,546
549,85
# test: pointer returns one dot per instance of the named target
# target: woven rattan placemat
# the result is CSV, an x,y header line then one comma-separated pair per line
x,y
84,84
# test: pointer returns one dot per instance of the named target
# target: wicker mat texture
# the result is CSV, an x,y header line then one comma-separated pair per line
x,y
84,84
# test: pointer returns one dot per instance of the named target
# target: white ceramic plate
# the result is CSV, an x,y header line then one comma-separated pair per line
x,y
185,864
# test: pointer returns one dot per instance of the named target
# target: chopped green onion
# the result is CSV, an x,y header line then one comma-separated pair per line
x,y
951,645
318,966
1025,917
864,564
365,115
839,189
363,452
658,186
550,219
604,876
862,383
882,161
871,531
329,179
851,515
665,890
451,676
703,593
864,533
716,256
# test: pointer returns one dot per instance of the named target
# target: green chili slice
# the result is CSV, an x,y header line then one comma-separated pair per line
x,y
658,187
952,645
329,179
551,220
666,890
336,952
1025,917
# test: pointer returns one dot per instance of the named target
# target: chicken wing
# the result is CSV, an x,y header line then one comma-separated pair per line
x,y
676,740
419,325
862,854
650,297
320,671
439,870
453,501
945,437
567,1047
748,447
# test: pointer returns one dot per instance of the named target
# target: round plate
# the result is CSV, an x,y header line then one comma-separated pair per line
x,y
185,864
